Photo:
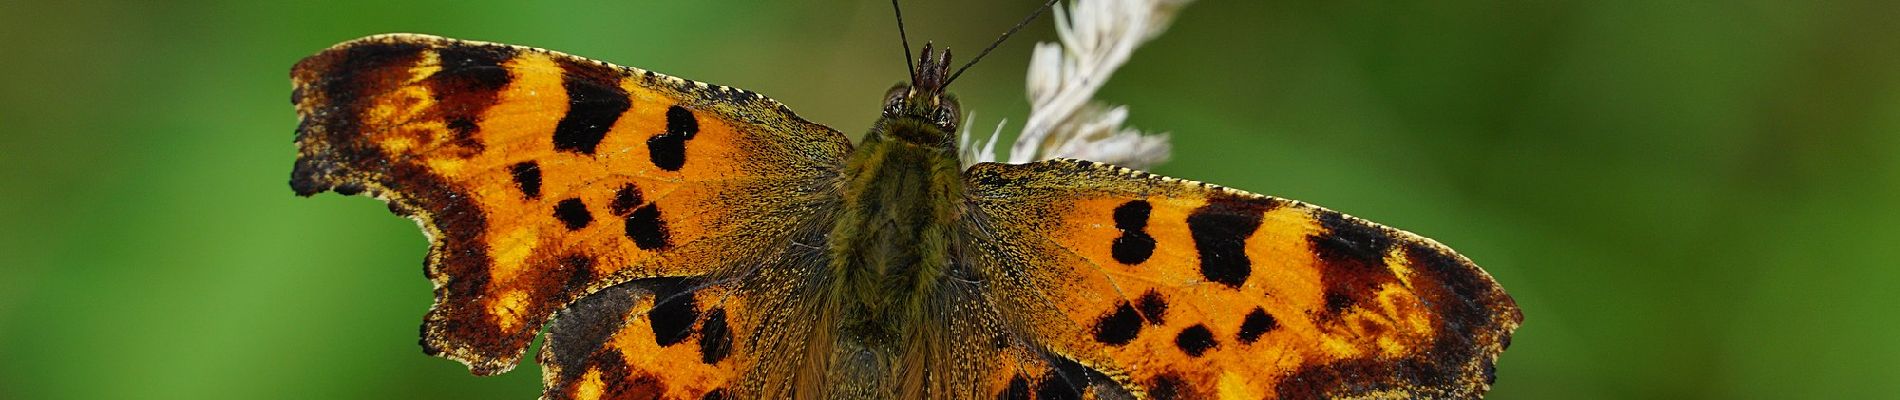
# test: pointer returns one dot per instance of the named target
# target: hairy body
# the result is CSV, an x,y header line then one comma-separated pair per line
x,y
891,246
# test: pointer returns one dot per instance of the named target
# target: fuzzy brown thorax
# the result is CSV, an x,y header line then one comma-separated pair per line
x,y
891,244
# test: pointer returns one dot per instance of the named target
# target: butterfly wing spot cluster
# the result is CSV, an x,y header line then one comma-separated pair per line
x,y
672,237
1134,246
1251,286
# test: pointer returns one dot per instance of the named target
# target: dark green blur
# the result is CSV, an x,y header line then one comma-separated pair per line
x,y
1688,199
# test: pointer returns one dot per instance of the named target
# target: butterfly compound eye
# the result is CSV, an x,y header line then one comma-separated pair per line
x,y
948,112
894,99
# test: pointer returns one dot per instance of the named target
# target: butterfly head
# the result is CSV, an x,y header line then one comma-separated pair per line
x,y
922,106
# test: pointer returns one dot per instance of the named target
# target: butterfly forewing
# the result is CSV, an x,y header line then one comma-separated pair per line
x,y
1178,289
541,177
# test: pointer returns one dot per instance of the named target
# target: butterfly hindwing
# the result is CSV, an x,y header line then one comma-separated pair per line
x,y
1177,289
689,338
663,337
541,177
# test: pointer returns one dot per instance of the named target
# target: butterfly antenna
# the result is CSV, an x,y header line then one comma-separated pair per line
x,y
908,64
999,40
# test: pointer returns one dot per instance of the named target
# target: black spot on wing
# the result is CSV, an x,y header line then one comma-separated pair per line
x,y
1255,324
1220,230
594,102
1154,307
1134,245
1195,340
646,229
1337,301
1018,389
464,128
715,394
469,82
470,69
573,213
1132,248
527,178
674,312
715,338
1132,215
625,200
668,149
1118,327
680,121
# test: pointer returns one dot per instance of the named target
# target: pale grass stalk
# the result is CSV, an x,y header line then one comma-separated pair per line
x,y
1096,37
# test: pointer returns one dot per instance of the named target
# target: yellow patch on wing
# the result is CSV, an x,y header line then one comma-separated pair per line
x,y
1235,386
590,387
511,250
507,308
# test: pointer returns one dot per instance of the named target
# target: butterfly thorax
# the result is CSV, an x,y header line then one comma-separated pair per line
x,y
891,244
901,201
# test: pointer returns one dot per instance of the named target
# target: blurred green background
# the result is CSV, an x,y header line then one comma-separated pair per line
x,y
1688,199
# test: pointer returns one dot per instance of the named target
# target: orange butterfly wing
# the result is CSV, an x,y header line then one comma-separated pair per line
x,y
657,338
1165,288
541,177
729,337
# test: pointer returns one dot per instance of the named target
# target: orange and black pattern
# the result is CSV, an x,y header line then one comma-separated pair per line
x,y
671,236
1162,288
541,177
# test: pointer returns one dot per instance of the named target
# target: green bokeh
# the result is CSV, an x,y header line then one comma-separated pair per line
x,y
1688,199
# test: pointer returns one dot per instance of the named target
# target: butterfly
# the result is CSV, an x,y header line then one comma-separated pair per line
x,y
683,240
